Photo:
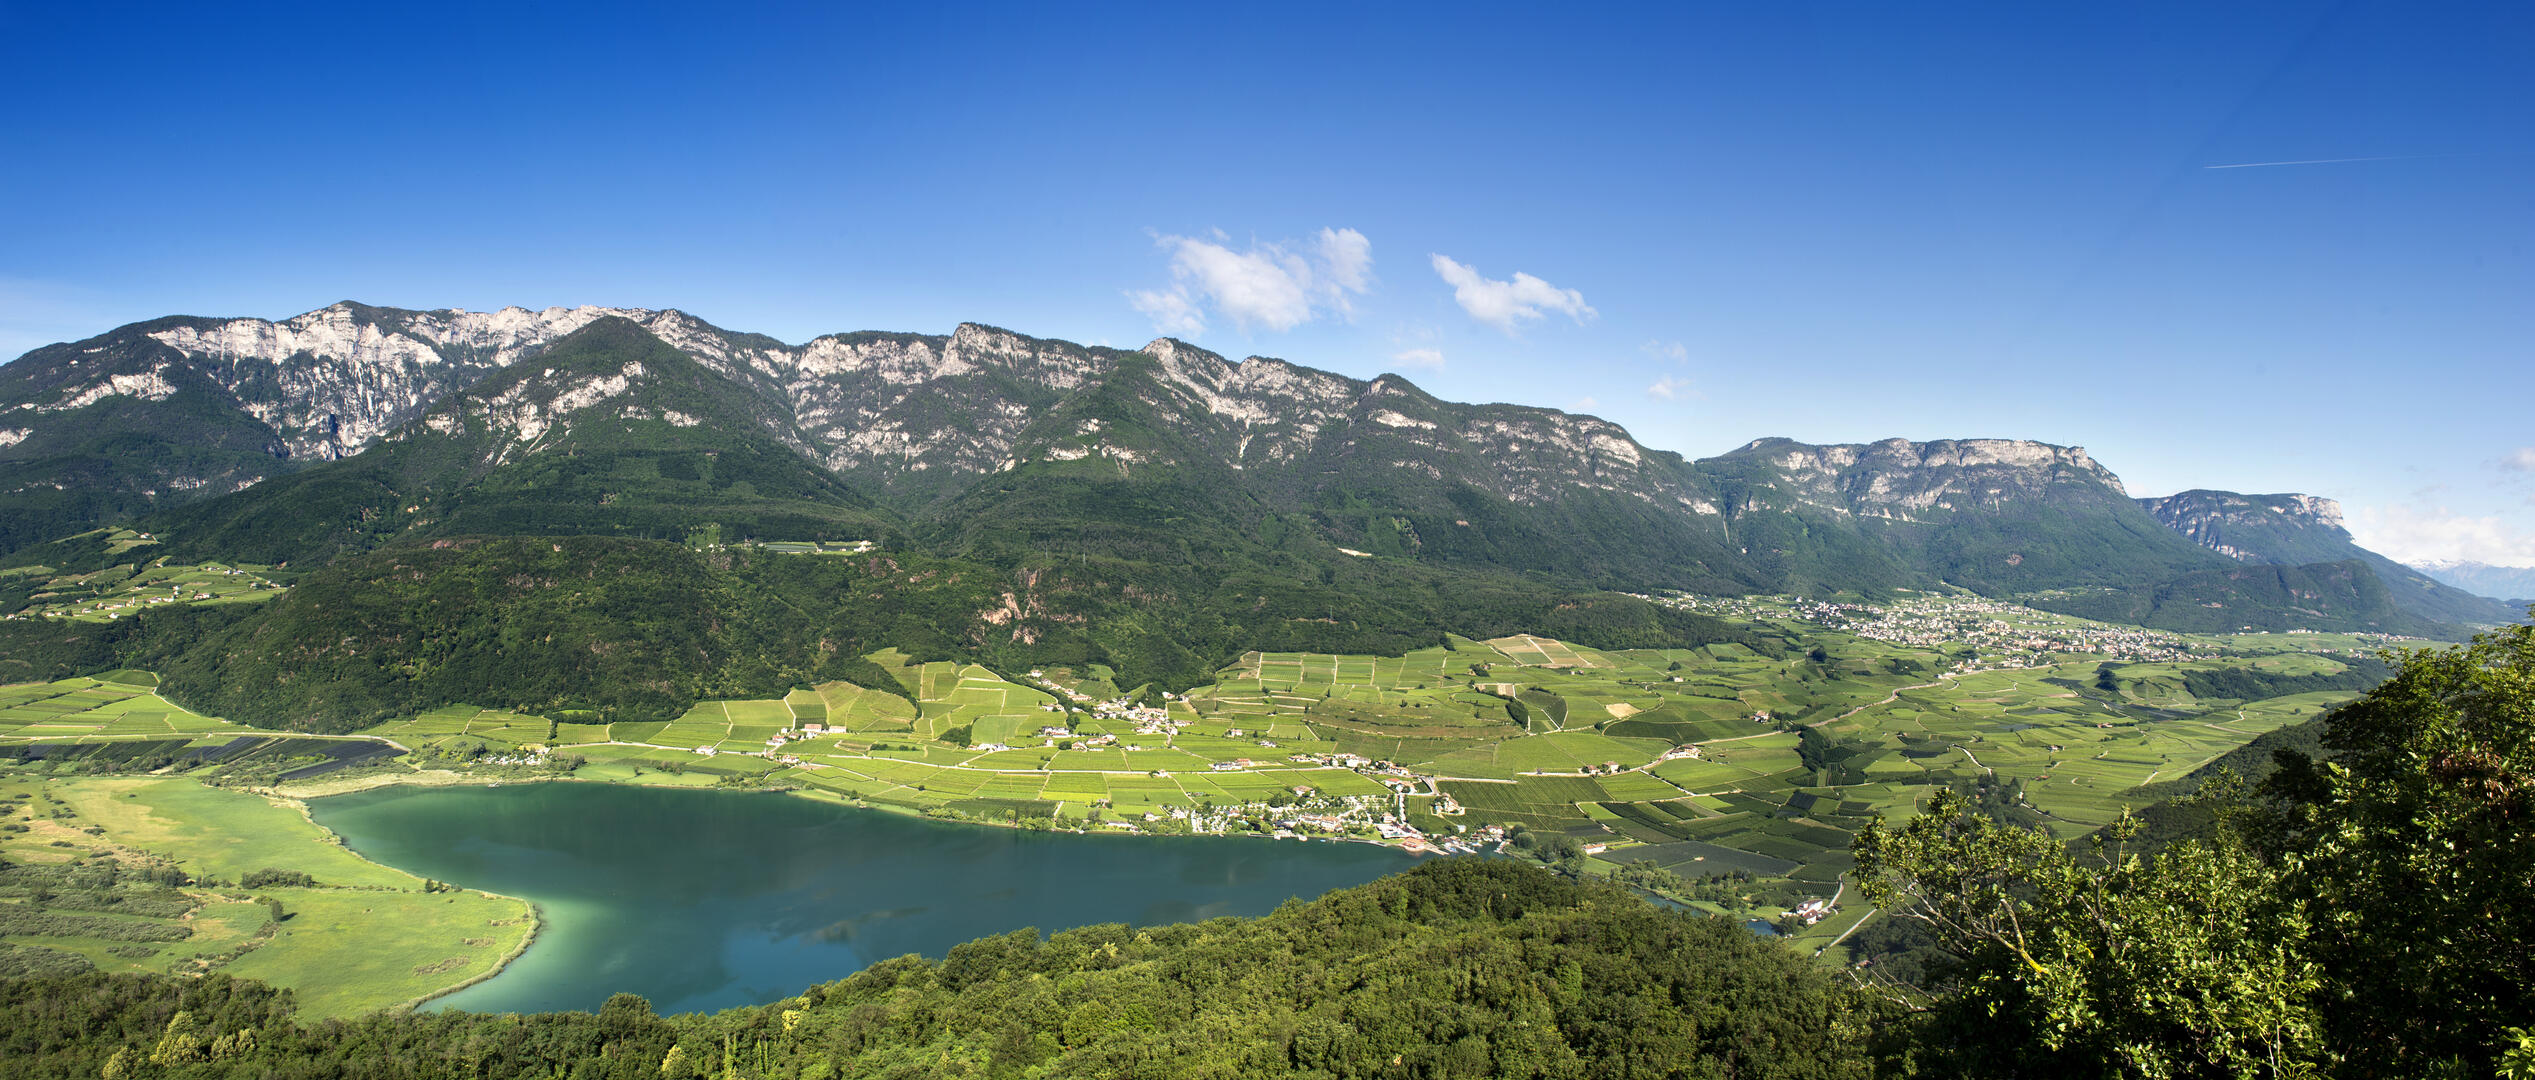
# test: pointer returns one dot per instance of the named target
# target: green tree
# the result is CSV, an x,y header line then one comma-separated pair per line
x,y
2365,917
2108,964
2413,838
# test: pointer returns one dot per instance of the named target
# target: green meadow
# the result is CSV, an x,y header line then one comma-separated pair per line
x,y
164,874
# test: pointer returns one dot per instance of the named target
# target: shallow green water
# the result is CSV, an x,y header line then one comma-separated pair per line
x,y
702,900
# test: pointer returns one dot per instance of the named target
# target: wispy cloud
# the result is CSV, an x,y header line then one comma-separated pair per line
x,y
1666,350
2520,460
1425,358
1584,404
1172,312
1506,304
2314,161
1348,257
1269,286
1670,387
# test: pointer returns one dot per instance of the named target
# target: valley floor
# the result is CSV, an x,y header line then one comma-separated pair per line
x,y
1720,777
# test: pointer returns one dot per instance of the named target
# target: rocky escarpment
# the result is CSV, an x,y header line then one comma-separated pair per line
x,y
2256,528
909,415
989,439
1900,480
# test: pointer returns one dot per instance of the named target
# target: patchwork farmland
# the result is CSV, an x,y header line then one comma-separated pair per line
x,y
1713,762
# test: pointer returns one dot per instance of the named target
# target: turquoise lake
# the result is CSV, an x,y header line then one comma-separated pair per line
x,y
701,900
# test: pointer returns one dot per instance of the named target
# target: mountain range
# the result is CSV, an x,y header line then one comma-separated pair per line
x,y
2513,583
1096,487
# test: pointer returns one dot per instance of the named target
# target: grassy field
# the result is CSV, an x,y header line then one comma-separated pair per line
x,y
346,952
220,833
119,704
364,937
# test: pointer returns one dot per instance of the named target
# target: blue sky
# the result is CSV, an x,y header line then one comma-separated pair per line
x,y
1710,223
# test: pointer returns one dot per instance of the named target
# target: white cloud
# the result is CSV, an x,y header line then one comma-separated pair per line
x,y
1268,286
1425,358
1667,350
1171,312
1504,304
2523,460
1670,387
2412,534
1584,404
1349,259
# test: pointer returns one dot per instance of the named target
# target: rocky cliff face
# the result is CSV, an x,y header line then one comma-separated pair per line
x,y
909,415
1900,480
936,427
2256,528
333,381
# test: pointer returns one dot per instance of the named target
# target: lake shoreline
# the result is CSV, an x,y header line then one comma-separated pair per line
x,y
781,892
434,778
536,913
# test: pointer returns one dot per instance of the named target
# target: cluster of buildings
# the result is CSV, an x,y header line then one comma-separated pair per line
x,y
2004,634
1813,911
135,600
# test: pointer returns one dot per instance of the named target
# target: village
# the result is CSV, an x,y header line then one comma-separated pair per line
x,y
1300,811
125,590
1997,633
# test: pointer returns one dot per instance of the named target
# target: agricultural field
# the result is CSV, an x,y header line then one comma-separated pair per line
x,y
1758,764
169,875
116,723
1689,759
117,704
128,588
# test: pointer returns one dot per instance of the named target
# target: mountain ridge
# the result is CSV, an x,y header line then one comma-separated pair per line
x,y
2514,584
989,443
2290,529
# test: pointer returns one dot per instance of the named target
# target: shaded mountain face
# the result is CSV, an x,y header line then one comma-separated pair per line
x,y
2300,530
2347,595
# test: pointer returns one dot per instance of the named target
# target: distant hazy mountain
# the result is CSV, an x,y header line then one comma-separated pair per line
x,y
2512,583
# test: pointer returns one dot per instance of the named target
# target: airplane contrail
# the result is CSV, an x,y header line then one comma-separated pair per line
x,y
2312,161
